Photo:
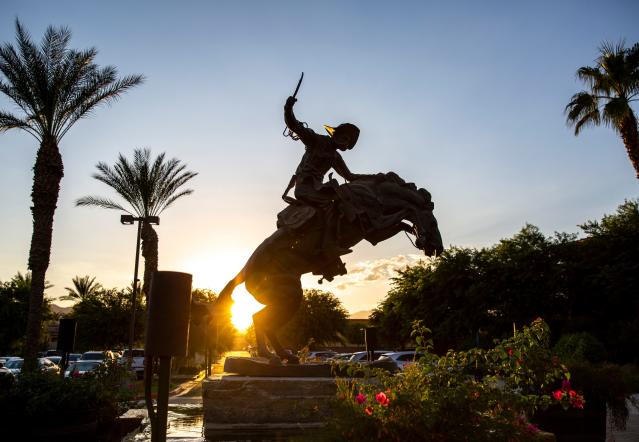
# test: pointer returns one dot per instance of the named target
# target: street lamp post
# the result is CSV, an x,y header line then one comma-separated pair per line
x,y
129,220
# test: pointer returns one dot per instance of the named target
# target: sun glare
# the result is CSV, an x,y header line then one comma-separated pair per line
x,y
244,306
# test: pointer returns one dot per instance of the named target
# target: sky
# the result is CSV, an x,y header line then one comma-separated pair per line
x,y
463,98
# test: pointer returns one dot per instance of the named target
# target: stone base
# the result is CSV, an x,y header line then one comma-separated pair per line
x,y
256,408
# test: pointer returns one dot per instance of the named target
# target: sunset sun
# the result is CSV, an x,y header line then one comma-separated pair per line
x,y
244,306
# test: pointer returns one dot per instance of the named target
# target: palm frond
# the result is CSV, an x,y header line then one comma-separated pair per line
x,y
8,121
148,185
583,110
615,112
55,86
99,202
102,92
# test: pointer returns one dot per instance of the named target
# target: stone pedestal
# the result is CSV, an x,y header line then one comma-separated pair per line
x,y
238,407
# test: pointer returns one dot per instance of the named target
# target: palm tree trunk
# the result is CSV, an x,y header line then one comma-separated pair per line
x,y
47,174
150,254
630,138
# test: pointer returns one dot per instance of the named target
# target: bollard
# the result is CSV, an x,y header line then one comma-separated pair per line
x,y
66,340
167,335
370,338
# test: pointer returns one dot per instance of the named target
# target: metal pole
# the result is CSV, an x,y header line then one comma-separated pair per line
x,y
134,296
163,400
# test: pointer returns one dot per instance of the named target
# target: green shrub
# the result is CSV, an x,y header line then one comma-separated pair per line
x,y
580,347
479,395
40,399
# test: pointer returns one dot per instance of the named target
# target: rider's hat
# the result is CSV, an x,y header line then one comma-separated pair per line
x,y
345,134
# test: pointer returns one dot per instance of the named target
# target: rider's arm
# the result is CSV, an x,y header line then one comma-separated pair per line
x,y
340,167
305,134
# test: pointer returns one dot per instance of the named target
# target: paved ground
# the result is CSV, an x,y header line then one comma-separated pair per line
x,y
631,434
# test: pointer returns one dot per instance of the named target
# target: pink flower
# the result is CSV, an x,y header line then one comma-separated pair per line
x,y
558,394
382,399
368,410
360,398
532,429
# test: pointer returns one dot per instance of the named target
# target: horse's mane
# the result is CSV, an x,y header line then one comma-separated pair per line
x,y
394,178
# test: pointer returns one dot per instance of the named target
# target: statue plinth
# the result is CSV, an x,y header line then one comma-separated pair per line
x,y
240,407
255,400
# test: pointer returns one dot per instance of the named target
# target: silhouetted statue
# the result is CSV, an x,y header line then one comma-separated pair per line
x,y
322,222
321,154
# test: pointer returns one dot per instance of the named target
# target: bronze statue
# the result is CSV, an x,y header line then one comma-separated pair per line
x,y
323,222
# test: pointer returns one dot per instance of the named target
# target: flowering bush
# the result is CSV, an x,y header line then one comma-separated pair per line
x,y
467,395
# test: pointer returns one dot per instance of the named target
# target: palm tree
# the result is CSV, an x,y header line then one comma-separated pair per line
x,y
83,288
149,187
613,85
53,86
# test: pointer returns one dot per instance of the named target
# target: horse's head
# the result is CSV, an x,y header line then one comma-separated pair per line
x,y
427,233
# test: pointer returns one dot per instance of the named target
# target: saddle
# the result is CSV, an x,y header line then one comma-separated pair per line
x,y
295,216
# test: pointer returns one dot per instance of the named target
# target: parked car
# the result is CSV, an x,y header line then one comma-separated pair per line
x,y
74,356
6,376
80,368
137,362
361,356
55,359
341,357
4,359
321,355
402,358
45,365
104,356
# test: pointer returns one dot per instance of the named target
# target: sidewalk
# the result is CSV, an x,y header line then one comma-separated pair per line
x,y
631,434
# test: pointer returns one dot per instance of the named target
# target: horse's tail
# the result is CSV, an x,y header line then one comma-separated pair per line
x,y
224,298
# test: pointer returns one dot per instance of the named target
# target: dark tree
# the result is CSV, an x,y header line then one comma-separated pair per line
x,y
14,309
103,319
469,297
147,187
321,319
54,87
613,84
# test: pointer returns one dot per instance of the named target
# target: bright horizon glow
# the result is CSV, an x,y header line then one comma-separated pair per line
x,y
244,306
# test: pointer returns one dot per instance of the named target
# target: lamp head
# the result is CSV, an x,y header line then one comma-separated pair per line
x,y
126,219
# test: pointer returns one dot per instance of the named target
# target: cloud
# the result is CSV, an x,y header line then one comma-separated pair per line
x,y
368,272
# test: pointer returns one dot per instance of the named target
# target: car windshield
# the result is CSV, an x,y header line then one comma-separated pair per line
x,y
74,356
93,356
85,365
136,354
14,363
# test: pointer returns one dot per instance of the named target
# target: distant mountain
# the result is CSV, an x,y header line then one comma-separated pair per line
x,y
363,314
62,311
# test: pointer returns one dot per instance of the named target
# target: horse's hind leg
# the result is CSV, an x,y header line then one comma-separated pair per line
x,y
286,297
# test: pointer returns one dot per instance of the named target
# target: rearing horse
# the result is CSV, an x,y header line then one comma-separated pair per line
x,y
373,208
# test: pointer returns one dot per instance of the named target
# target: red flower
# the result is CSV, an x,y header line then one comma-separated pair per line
x,y
572,393
360,398
510,352
368,410
558,394
382,399
578,403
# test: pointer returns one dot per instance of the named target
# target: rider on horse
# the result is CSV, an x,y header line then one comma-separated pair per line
x,y
321,154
